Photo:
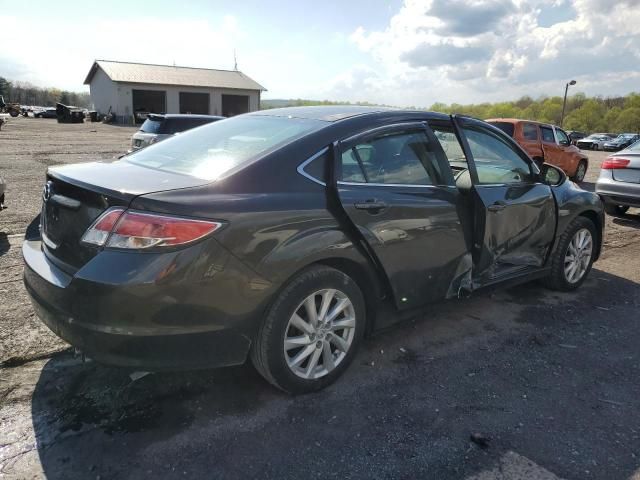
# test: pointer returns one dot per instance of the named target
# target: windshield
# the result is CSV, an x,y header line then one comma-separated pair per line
x,y
212,150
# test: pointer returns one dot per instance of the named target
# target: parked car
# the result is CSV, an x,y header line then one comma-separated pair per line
x,y
3,189
158,127
621,141
594,141
619,181
545,143
277,235
48,112
575,136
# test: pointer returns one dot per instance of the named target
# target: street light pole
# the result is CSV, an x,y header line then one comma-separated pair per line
x,y
564,103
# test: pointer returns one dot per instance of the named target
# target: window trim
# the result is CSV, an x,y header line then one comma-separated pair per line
x,y
302,171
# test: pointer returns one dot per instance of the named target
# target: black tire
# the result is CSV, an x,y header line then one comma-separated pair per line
x,y
13,113
579,175
267,353
557,279
615,210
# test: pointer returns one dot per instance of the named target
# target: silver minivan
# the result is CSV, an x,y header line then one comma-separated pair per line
x,y
619,182
158,127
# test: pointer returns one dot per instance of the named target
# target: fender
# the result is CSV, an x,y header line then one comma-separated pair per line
x,y
572,201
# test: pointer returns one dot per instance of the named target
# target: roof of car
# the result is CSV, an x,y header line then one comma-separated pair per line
x,y
335,113
517,120
185,115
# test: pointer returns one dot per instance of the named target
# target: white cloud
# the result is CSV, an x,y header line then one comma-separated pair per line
x,y
486,50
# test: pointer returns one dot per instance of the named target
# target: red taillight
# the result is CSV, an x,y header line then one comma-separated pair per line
x,y
137,230
613,163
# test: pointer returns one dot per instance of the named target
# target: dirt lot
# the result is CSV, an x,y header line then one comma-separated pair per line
x,y
550,380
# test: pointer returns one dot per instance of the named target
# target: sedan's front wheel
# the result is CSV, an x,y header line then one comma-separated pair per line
x,y
573,258
311,332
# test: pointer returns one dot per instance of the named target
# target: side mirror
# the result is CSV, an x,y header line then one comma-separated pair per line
x,y
564,143
552,175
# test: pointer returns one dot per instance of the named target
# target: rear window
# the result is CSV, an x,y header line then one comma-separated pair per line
x,y
177,124
529,131
634,146
506,127
211,151
547,135
152,125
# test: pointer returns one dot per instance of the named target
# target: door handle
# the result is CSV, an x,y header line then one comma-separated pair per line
x,y
497,206
370,205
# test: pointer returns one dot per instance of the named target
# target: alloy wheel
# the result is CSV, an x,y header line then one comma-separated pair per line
x,y
580,173
319,334
578,255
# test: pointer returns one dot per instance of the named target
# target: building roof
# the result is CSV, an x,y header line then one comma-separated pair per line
x,y
172,75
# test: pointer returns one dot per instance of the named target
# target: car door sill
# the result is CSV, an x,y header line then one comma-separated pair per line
x,y
511,279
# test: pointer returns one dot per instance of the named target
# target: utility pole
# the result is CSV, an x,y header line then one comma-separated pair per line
x,y
564,103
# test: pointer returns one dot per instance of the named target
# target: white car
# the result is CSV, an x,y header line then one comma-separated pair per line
x,y
595,141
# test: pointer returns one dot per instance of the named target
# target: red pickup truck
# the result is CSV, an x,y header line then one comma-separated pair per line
x,y
546,143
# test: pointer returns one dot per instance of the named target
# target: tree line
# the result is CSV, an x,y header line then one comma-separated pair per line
x,y
26,93
582,113
585,114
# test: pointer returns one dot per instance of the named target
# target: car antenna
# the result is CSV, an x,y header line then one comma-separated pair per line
x,y
235,60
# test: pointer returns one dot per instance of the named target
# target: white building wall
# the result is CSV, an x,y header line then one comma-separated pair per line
x,y
103,92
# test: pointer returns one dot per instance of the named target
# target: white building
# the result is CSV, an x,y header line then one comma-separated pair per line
x,y
124,88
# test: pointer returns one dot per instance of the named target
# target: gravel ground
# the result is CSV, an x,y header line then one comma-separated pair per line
x,y
547,382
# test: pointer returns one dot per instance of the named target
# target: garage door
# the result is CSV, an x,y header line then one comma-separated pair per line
x,y
234,105
196,103
148,101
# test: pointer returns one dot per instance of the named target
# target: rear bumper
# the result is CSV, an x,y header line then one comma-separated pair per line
x,y
149,323
618,193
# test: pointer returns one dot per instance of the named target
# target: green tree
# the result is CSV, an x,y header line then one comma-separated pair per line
x,y
628,120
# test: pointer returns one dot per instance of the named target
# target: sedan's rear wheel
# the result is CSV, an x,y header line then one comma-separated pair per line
x,y
311,331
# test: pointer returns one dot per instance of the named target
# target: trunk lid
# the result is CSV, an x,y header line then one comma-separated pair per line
x,y
75,195
630,174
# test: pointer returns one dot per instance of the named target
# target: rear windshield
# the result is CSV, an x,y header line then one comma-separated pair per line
x,y
211,151
506,127
152,125
634,146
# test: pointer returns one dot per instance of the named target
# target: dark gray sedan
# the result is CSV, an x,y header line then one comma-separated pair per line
x,y
278,235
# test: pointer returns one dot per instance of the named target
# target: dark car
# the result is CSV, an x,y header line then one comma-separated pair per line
x,y
574,136
158,127
278,235
621,141
48,112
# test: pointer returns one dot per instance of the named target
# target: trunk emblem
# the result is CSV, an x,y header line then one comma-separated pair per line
x,y
47,191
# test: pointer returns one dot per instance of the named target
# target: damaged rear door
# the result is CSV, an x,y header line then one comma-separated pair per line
x,y
514,213
397,189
